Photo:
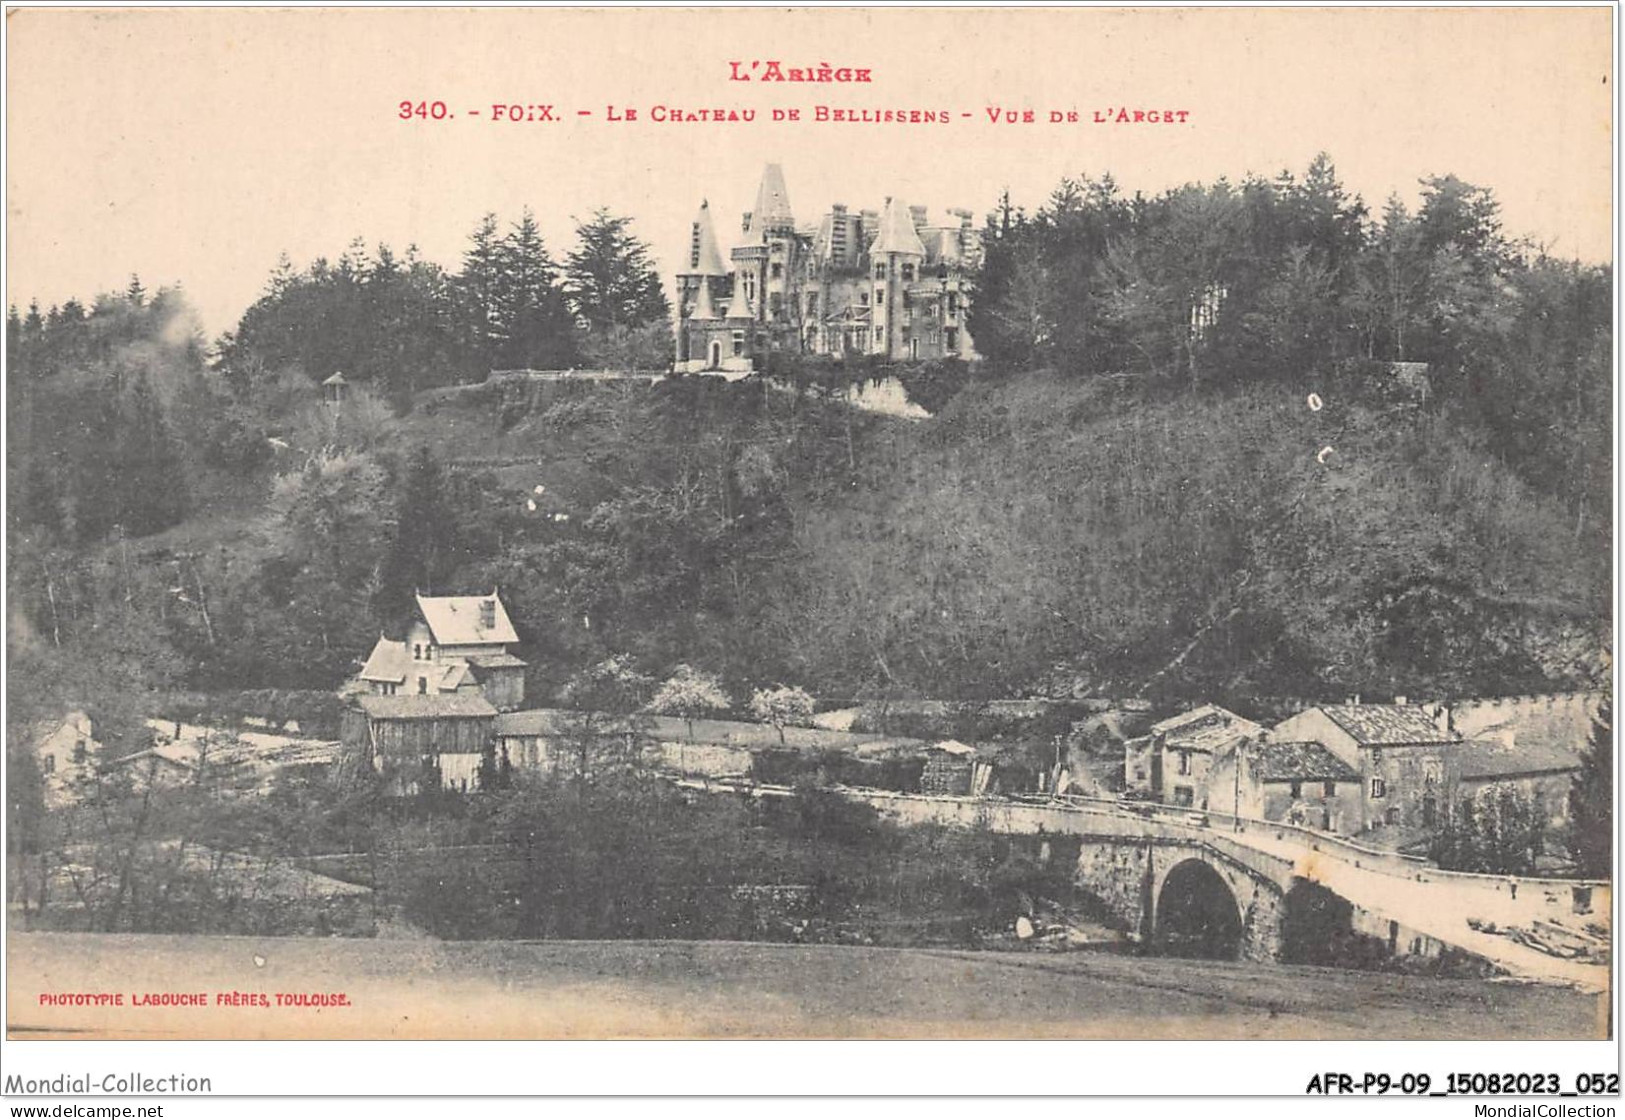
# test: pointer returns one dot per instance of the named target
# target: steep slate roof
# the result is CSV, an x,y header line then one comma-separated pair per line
x,y
703,307
897,234
738,305
772,202
447,705
1528,754
1282,762
454,620
704,258
1379,725
1204,729
388,661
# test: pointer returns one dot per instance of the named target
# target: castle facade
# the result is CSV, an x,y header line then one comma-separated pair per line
x,y
882,282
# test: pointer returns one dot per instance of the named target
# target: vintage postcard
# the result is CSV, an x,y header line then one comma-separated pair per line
x,y
831,523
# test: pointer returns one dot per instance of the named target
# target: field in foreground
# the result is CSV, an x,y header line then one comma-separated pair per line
x,y
597,989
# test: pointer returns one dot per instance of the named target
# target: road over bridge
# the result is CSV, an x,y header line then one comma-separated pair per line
x,y
1206,884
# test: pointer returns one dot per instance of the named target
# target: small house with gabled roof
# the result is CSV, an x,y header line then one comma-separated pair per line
x,y
1295,782
1171,763
1406,756
454,643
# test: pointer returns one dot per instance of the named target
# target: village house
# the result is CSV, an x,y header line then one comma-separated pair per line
x,y
65,752
886,283
1172,762
454,644
1405,754
1300,783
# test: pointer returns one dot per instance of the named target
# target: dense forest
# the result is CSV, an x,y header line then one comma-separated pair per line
x,y
1192,464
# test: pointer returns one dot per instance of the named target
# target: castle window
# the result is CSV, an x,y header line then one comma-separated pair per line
x,y
50,764
775,269
1329,789
953,303
908,272
79,751
880,272
1297,790
953,339
423,686
1379,788
739,343
863,298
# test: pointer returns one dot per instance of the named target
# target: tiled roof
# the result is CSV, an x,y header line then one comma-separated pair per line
x,y
1204,729
387,662
1386,724
447,705
454,620
1279,762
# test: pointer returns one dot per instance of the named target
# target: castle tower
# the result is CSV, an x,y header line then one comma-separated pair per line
x,y
701,269
765,263
895,260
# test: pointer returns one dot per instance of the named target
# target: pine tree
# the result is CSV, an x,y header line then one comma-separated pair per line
x,y
1591,800
422,554
477,287
535,322
610,278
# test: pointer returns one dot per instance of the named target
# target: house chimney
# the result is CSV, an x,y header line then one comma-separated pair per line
x,y
488,614
1400,700
1446,720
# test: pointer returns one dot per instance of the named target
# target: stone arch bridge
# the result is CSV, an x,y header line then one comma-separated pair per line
x,y
1185,888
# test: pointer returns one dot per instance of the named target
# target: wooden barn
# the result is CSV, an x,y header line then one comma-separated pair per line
x,y
406,738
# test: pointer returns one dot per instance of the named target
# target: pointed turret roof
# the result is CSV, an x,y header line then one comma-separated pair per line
x,y
704,258
703,307
772,203
897,234
738,306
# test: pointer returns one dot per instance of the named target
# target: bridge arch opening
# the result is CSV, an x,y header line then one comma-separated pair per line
x,y
1197,914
